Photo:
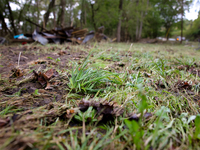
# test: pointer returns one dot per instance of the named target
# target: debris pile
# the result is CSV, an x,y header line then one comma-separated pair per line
x,y
60,35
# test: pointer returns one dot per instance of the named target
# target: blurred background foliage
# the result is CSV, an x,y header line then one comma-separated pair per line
x,y
128,20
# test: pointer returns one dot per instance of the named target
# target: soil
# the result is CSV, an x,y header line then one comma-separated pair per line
x,y
33,58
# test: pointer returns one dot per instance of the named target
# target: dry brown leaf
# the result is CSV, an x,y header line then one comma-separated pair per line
x,y
48,74
43,78
3,122
69,113
16,72
48,86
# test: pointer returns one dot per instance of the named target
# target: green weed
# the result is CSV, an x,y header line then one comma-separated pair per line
x,y
88,80
89,115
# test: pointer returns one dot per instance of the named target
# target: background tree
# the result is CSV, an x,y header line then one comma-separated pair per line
x,y
184,6
49,10
63,5
119,23
193,31
128,20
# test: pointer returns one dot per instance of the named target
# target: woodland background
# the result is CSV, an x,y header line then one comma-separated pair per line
x,y
128,20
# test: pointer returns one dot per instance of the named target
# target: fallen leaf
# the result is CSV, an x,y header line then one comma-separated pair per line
x,y
3,122
16,72
48,86
62,53
71,111
43,78
48,74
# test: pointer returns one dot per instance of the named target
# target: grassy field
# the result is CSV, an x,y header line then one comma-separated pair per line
x,y
100,96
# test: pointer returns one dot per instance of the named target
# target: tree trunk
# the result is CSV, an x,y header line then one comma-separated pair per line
x,y
84,13
141,24
181,20
11,18
46,15
70,14
4,26
38,11
137,23
119,23
62,21
54,20
167,32
58,17
93,20
137,30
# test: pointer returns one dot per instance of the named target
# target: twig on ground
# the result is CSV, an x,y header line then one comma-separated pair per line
x,y
19,59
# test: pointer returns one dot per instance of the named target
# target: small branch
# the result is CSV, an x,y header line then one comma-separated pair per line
x,y
36,24
19,58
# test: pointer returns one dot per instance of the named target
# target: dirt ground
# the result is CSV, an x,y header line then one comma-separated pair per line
x,y
37,59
